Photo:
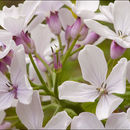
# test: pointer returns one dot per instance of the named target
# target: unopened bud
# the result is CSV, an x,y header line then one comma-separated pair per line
x,y
27,42
54,23
91,38
116,51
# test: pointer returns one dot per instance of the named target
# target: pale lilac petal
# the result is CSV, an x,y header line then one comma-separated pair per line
x,y
2,116
5,125
31,115
18,65
86,120
100,29
128,71
66,17
93,65
116,81
121,16
60,121
6,100
106,105
9,23
118,121
128,114
77,92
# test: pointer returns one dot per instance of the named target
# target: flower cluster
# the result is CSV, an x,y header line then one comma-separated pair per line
x,y
55,74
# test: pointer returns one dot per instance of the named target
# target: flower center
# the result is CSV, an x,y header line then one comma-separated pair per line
x,y
102,90
121,35
12,89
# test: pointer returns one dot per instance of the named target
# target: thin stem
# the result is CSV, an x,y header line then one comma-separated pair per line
x,y
69,50
44,63
40,77
80,48
11,118
56,85
59,40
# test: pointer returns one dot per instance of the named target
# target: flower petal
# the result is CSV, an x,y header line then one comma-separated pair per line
x,y
93,65
18,65
118,121
2,116
77,92
106,105
31,115
60,121
100,29
66,17
116,81
86,120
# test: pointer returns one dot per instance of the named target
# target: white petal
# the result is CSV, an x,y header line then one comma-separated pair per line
x,y
2,116
5,35
66,17
128,71
10,22
42,40
31,115
6,100
86,120
93,65
100,29
87,5
106,105
108,11
118,121
128,114
60,121
18,65
9,46
116,81
77,92
121,16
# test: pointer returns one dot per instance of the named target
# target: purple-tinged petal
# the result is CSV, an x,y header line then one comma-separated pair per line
x,y
116,51
91,38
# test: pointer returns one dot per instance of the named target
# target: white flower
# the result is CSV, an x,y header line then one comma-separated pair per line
x,y
121,18
16,19
18,86
94,70
31,115
87,120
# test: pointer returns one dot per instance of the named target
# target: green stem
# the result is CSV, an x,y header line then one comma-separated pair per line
x,y
60,43
80,48
38,87
40,77
11,118
69,50
44,63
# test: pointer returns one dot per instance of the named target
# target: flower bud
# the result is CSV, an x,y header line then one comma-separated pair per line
x,y
27,42
116,51
91,38
83,33
68,34
54,23
76,28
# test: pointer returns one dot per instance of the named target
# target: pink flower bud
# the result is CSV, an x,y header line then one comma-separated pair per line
x,y
83,33
91,38
27,42
76,28
116,51
68,34
54,23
